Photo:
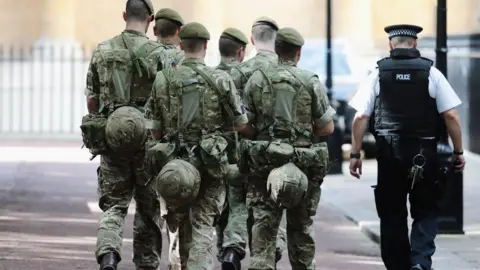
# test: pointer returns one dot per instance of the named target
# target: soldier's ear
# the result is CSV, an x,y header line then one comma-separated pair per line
x,y
181,45
124,15
251,40
205,45
299,54
390,45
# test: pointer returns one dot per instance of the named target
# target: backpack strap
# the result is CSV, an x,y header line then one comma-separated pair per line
x,y
212,84
301,79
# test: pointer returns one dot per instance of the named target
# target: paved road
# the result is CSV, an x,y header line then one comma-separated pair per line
x,y
48,219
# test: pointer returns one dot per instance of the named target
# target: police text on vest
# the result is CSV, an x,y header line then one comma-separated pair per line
x,y
403,77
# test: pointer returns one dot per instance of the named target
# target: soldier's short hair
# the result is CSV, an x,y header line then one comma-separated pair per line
x,y
286,50
136,10
193,45
166,27
264,33
229,47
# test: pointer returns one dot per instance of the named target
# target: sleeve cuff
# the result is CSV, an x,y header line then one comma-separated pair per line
x,y
240,120
326,117
153,124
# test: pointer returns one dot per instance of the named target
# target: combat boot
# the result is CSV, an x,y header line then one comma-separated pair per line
x,y
231,260
109,261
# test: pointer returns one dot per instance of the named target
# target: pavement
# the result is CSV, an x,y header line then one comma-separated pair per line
x,y
355,199
49,215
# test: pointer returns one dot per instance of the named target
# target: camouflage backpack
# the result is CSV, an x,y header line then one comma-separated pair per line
x,y
285,104
127,70
199,106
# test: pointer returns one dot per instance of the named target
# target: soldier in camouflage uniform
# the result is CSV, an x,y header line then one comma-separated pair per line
x,y
232,44
167,26
189,105
263,38
287,105
121,73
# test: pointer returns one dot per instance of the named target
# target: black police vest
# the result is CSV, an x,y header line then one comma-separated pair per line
x,y
404,106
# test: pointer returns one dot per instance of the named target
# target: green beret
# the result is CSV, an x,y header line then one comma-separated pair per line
x,y
169,14
290,36
149,5
266,21
194,30
234,34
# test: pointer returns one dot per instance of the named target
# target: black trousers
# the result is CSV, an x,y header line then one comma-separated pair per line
x,y
394,158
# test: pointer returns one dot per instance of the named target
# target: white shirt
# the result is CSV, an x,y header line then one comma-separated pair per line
x,y
438,87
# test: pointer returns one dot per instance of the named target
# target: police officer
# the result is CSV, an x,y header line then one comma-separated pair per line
x,y
404,95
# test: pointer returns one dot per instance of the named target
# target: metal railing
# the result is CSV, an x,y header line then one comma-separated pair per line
x,y
42,91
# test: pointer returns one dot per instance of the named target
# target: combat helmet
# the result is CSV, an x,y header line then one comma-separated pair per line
x,y
287,185
125,130
178,183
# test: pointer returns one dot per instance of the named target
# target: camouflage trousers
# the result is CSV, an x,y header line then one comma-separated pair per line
x,y
234,225
121,178
266,221
196,225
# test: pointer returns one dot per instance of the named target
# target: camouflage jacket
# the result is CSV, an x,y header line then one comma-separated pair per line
x,y
228,65
174,52
184,101
289,100
113,77
242,74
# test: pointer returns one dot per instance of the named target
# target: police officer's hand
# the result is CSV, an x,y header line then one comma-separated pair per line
x,y
356,167
458,162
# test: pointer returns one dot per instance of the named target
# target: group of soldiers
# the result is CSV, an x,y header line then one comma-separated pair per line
x,y
201,149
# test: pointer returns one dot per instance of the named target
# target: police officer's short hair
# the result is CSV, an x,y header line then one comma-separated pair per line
x,y
402,40
229,47
166,27
264,33
286,50
136,10
193,45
